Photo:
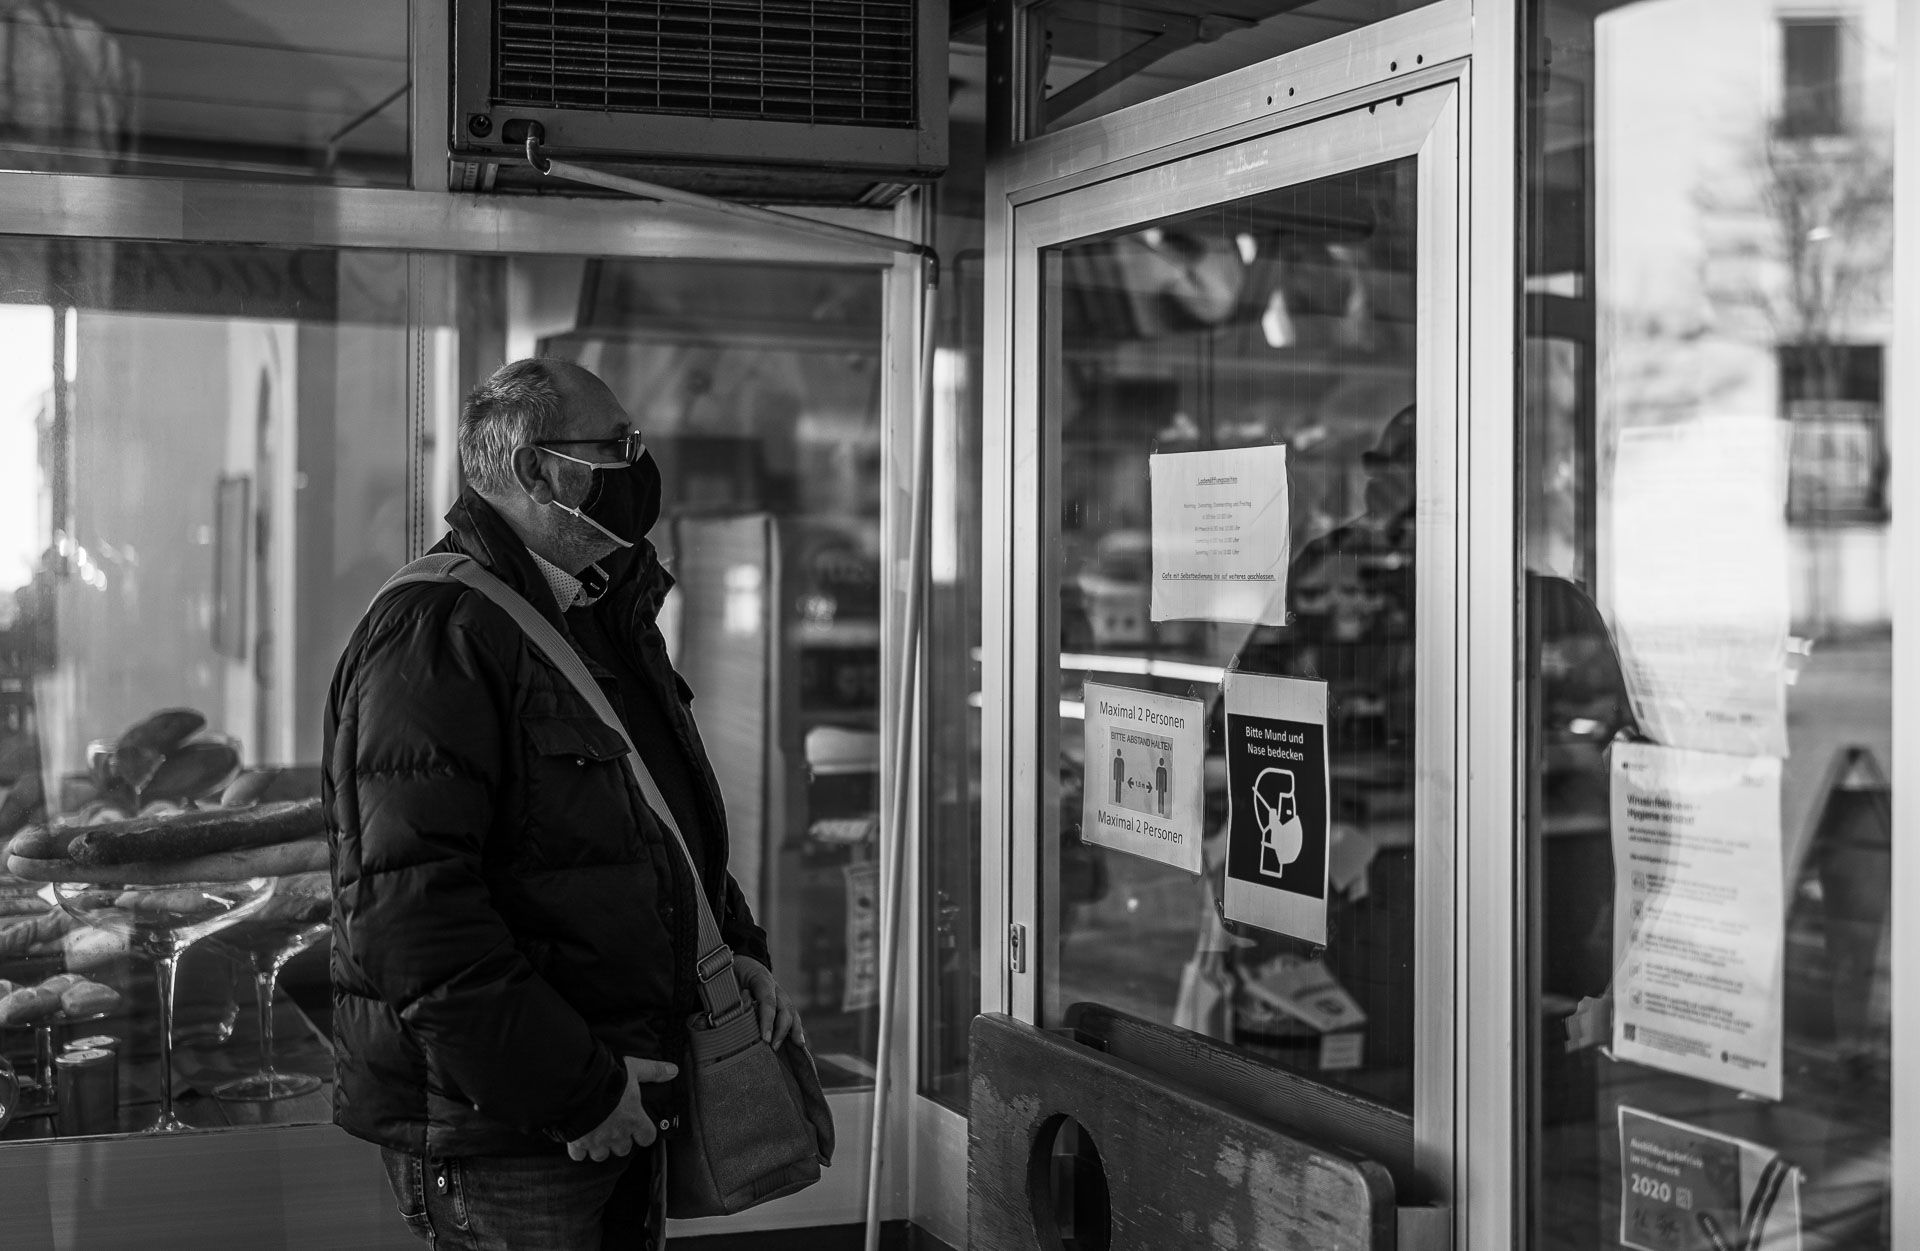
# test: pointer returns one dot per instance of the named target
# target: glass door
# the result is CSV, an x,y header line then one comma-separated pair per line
x,y
1228,672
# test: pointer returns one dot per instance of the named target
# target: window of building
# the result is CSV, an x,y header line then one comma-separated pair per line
x,y
1812,101
1831,393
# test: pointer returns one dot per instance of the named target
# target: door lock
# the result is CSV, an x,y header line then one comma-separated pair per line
x,y
1017,948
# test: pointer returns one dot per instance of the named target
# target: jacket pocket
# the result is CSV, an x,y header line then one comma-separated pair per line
x,y
579,808
586,738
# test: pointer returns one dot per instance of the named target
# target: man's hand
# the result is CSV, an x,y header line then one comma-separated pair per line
x,y
628,1125
777,1016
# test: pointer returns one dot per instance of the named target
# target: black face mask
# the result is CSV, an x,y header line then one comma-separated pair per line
x,y
621,503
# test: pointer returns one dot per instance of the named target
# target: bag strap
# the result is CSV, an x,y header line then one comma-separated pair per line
x,y
719,989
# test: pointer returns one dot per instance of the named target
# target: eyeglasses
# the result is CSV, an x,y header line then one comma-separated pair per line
x,y
632,448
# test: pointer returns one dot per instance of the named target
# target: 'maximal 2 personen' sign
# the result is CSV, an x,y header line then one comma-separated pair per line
x,y
1145,774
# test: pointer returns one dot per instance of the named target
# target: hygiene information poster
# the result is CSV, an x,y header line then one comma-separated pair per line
x,y
1278,804
1683,1188
1145,780
1699,918
1220,535
1701,605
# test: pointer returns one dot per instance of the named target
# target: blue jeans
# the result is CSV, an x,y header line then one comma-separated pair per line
x,y
530,1203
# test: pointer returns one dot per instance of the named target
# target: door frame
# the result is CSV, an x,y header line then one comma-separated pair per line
x,y
1051,189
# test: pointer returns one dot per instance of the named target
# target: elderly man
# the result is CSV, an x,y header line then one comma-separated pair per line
x,y
514,934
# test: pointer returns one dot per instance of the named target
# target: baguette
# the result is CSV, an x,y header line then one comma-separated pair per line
x,y
38,842
188,835
307,855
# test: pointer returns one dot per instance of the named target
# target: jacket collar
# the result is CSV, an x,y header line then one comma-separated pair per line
x,y
638,581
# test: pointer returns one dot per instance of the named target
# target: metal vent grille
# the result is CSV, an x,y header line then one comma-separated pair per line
x,y
840,62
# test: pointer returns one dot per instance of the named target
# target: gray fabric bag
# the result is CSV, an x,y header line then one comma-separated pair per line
x,y
757,1125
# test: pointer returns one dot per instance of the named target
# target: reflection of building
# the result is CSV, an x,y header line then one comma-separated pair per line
x,y
1746,270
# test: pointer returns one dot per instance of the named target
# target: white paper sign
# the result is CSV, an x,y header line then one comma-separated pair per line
x,y
1220,535
1146,774
1278,786
1700,597
1699,915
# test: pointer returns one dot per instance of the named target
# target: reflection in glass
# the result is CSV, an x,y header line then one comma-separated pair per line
x,y
160,922
211,457
295,919
265,90
1706,509
1286,318
1100,56
758,391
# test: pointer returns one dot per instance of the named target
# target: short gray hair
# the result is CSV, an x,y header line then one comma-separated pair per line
x,y
516,406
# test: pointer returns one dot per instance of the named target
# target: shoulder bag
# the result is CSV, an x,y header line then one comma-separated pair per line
x,y
757,1124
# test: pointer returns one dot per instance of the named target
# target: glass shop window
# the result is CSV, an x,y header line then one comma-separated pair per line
x,y
263,90
759,393
212,457
1708,629
949,727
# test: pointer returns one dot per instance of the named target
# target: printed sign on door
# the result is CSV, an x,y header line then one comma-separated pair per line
x,y
1278,804
1145,779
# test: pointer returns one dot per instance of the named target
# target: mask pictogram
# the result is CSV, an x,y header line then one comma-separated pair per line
x,y
1281,834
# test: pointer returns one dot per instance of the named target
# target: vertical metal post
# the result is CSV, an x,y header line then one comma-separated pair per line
x,y
429,61
1489,1145
1904,408
895,846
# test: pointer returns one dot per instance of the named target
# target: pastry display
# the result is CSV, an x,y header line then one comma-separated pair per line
x,y
65,994
162,841
204,845
36,935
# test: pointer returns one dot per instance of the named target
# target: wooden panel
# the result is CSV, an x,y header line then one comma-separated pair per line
x,y
1259,1088
1183,1169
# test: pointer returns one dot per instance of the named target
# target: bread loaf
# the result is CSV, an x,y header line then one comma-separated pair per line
x,y
141,749
187,835
23,934
24,1007
307,855
88,998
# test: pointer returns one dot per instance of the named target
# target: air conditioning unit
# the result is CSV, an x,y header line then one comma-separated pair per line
x,y
770,101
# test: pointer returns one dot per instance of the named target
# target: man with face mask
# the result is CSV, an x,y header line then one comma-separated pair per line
x,y
514,932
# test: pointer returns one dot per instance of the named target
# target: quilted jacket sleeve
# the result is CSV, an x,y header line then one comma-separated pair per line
x,y
426,714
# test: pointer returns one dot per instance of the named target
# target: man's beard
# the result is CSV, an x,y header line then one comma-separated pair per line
x,y
575,541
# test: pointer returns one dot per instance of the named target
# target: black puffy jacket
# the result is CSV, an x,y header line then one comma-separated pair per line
x,y
509,918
